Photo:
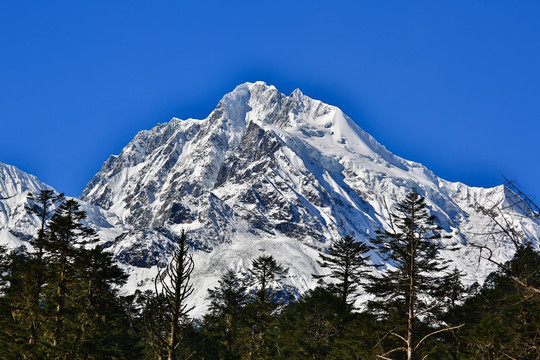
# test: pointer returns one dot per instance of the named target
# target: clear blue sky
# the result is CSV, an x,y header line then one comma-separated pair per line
x,y
454,85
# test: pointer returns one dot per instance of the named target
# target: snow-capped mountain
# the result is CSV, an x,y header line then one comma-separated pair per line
x,y
17,226
270,174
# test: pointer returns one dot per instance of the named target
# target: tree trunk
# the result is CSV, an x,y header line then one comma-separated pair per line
x,y
412,290
59,306
410,320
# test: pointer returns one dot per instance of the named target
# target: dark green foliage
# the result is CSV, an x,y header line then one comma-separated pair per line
x,y
62,301
63,247
261,331
360,339
347,265
412,248
41,205
229,297
105,331
408,294
225,322
14,323
503,318
265,270
310,327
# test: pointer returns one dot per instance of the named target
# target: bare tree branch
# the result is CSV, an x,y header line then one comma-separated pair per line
x,y
505,269
383,356
437,332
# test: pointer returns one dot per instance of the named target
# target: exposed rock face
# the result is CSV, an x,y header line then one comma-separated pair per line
x,y
268,165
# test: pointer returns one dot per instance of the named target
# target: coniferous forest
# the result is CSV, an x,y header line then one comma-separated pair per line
x,y
62,300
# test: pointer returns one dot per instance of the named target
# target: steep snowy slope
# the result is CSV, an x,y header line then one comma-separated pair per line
x,y
17,227
267,173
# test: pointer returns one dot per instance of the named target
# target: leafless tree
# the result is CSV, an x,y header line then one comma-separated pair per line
x,y
165,319
502,218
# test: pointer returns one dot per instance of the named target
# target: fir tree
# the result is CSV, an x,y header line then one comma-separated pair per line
x,y
263,275
347,265
225,321
502,321
310,327
360,339
265,270
409,291
13,305
104,331
68,234
40,205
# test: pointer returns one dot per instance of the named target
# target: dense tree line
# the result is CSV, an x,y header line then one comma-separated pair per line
x,y
61,300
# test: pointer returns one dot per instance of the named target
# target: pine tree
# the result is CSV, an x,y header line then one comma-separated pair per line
x,y
104,331
61,300
13,305
41,205
408,292
360,339
348,268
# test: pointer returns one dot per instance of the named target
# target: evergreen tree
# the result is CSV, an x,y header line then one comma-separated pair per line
x,y
13,306
68,234
264,271
502,321
360,339
310,327
104,329
4,266
261,338
408,292
61,299
453,294
347,265
40,205
452,289
225,321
